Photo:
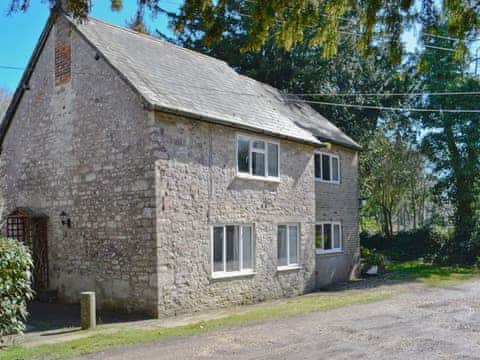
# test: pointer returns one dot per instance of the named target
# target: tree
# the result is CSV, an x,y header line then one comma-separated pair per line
x,y
303,70
292,20
452,143
393,173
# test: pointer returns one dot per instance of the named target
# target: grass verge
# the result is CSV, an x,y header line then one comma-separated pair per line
x,y
429,274
102,341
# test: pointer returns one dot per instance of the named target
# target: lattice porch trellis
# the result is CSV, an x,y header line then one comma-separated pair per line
x,y
30,228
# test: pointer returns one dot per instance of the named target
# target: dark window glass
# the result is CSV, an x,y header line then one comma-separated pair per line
x,y
318,173
318,237
336,236
258,164
335,169
247,240
218,249
327,236
233,248
257,144
243,156
282,245
272,160
326,167
293,244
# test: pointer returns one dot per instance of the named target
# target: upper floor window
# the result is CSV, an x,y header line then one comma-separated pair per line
x,y
328,237
256,157
232,249
327,167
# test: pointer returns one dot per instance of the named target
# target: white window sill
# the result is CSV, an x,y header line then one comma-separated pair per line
x,y
258,178
326,252
327,182
233,274
289,268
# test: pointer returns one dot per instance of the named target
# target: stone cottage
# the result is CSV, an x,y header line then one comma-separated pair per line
x,y
170,182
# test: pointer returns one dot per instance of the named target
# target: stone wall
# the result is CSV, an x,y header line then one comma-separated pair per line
x,y
143,189
340,203
78,145
197,187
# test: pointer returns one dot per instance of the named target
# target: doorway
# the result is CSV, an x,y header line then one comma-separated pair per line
x,y
30,228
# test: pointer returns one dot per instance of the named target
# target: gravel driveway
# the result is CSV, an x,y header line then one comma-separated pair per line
x,y
423,323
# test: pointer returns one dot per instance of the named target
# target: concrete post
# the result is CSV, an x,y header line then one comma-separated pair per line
x,y
88,318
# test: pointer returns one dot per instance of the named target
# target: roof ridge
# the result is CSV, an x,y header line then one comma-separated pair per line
x,y
153,38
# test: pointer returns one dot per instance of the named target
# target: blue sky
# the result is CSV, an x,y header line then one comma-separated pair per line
x,y
21,31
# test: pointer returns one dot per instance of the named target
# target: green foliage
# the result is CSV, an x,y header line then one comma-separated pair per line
x,y
371,257
137,23
388,184
15,282
452,144
406,245
291,22
303,70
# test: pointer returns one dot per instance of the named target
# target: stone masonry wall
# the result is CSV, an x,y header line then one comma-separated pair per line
x,y
143,190
197,187
340,203
79,147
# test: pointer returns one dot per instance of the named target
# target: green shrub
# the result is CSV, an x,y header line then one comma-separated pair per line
x,y
371,257
15,286
407,245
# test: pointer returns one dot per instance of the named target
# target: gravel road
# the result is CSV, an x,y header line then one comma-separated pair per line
x,y
422,323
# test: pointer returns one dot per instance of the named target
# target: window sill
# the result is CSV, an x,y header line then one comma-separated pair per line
x,y
328,252
233,274
327,182
258,178
289,268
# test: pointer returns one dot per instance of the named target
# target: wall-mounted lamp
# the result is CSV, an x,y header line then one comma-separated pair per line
x,y
65,219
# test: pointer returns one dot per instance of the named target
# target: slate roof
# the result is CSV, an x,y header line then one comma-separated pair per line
x,y
181,81
172,78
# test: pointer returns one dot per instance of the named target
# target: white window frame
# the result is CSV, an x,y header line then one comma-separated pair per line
x,y
332,250
330,156
242,271
290,265
250,174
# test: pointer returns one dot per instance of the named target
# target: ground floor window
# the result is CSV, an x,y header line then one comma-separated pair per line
x,y
288,245
328,237
232,248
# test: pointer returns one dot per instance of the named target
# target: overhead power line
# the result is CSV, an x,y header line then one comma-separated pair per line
x,y
440,93
11,67
439,48
375,107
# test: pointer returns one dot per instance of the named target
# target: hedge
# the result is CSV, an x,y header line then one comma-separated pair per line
x,y
15,286
406,245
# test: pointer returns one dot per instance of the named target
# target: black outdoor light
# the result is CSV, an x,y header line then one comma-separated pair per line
x,y
65,219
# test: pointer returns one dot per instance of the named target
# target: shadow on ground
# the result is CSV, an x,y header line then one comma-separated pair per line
x,y
52,316
410,272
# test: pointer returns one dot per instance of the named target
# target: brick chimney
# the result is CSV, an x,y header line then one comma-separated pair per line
x,y
63,51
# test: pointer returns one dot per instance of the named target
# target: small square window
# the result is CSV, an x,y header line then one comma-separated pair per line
x,y
328,237
233,249
257,158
